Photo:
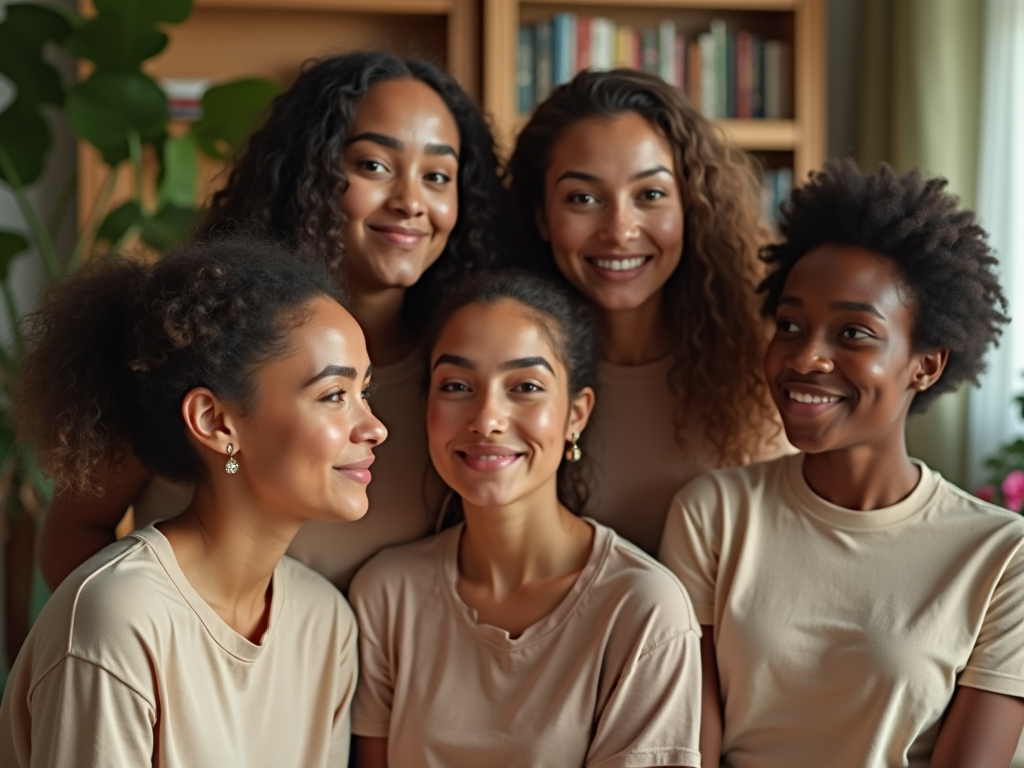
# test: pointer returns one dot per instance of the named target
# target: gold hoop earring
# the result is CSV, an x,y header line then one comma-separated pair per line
x,y
231,466
574,453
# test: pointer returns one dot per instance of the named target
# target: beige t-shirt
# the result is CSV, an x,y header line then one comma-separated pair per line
x,y
128,666
610,678
637,462
840,635
402,501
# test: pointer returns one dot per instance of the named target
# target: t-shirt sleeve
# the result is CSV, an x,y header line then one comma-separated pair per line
x,y
690,544
375,692
341,735
653,714
997,662
83,715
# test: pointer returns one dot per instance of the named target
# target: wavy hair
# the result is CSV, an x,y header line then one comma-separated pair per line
x,y
712,309
289,179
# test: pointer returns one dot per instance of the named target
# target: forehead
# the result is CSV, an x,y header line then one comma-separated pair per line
x,y
834,273
328,335
496,333
624,144
406,109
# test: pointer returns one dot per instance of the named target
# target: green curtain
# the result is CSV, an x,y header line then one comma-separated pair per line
x,y
920,101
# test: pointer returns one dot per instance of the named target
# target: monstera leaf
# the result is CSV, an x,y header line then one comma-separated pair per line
x,y
124,33
110,106
12,245
25,140
230,114
179,172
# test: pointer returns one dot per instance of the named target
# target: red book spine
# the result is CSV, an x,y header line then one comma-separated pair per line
x,y
583,43
744,76
680,73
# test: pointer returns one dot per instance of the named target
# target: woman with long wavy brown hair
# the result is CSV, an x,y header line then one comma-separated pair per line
x,y
629,194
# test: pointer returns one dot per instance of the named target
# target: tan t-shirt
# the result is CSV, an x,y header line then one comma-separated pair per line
x,y
128,666
840,635
610,678
402,501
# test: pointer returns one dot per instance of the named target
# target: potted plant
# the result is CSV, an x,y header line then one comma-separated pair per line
x,y
122,112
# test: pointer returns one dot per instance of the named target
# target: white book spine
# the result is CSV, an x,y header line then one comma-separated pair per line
x,y
667,51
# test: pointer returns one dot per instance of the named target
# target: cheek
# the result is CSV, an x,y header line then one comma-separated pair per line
x,y
667,231
445,212
442,424
544,425
360,199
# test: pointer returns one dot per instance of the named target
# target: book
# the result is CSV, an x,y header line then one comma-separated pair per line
x,y
708,76
527,97
563,55
649,52
757,76
667,51
583,43
778,80
720,54
627,47
744,75
602,43
679,72
542,48
694,76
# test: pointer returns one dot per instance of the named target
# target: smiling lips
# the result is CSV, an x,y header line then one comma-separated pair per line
x,y
407,237
358,470
488,458
619,266
808,400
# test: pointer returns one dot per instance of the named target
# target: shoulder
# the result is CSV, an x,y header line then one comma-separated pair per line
x,y
732,481
402,568
311,595
643,591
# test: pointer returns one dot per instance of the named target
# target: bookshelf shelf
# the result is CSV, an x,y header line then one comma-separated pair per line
x,y
798,143
227,39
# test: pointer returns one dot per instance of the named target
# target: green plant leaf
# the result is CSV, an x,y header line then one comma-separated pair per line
x,y
24,30
169,227
231,112
26,137
123,33
109,105
180,172
12,245
119,221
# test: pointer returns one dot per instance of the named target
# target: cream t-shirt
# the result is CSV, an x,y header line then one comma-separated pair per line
x,y
841,635
402,499
610,678
128,666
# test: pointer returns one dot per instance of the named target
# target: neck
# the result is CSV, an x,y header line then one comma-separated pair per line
x,y
863,477
505,548
635,336
228,552
379,314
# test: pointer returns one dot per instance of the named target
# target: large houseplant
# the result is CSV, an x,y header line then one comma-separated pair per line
x,y
122,112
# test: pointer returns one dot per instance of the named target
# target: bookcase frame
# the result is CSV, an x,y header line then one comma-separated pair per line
x,y
805,136
226,39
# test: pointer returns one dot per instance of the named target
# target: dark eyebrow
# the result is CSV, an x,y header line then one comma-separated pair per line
x,y
581,176
461,362
526,362
377,138
346,371
650,172
857,306
441,149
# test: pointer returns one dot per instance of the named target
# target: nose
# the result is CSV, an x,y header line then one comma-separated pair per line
x,y
811,356
620,225
490,416
370,430
406,197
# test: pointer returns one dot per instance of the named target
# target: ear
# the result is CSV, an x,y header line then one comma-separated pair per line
x,y
579,412
930,366
209,421
542,224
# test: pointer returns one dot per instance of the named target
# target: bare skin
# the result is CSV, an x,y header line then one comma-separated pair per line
x,y
403,176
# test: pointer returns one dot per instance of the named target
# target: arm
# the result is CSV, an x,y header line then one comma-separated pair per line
x,y
711,702
371,752
980,730
75,527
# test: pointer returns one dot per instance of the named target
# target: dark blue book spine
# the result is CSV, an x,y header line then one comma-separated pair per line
x,y
525,70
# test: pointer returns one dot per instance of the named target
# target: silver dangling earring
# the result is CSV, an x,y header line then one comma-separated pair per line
x,y
574,453
231,466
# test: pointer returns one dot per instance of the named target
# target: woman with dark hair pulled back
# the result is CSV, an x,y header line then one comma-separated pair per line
x,y
385,171
232,366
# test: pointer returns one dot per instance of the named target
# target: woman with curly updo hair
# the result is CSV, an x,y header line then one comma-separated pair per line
x,y
385,170
233,367
625,191
863,611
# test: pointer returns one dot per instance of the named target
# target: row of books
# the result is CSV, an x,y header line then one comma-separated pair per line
x,y
777,186
725,74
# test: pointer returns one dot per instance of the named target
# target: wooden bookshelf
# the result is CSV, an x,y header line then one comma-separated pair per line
x,y
227,39
799,143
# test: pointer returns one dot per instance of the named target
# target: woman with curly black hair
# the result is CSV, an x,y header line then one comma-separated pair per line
x,y
628,194
234,367
386,170
864,611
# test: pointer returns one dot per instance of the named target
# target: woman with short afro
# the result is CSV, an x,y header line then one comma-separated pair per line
x,y
858,609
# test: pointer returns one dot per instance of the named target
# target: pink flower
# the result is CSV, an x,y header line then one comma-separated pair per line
x,y
1013,490
985,492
